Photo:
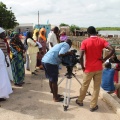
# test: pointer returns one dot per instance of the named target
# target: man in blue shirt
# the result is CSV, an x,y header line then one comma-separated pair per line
x,y
108,79
51,61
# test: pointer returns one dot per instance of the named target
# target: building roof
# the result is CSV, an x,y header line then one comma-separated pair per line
x,y
26,24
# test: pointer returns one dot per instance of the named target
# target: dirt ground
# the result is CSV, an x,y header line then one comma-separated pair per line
x,y
34,101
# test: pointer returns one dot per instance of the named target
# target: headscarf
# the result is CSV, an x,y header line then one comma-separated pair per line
x,y
16,43
63,36
63,32
40,33
34,34
12,34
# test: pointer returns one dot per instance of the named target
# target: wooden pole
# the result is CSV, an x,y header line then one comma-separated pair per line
x,y
38,18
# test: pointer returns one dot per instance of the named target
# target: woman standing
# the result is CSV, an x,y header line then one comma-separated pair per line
x,y
42,41
33,48
17,62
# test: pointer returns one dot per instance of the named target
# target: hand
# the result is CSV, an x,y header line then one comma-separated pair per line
x,y
47,48
23,55
42,53
7,64
102,60
83,68
39,45
69,53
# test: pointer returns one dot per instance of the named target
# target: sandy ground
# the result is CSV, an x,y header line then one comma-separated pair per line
x,y
34,101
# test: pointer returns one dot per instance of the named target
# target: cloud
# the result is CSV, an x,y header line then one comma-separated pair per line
x,y
78,12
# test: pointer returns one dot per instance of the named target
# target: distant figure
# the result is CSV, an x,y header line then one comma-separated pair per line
x,y
27,57
63,36
53,38
92,48
42,41
108,83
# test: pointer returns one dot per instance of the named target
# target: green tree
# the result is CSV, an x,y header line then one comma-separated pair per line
x,y
108,28
63,24
73,28
7,17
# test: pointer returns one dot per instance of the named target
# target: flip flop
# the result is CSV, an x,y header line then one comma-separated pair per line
x,y
33,73
93,109
59,100
80,104
60,95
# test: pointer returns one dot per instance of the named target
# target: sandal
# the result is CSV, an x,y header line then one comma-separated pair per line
x,y
36,71
60,95
19,85
58,100
80,104
93,109
22,83
33,73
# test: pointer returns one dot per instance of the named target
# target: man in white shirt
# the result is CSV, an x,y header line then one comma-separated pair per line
x,y
52,37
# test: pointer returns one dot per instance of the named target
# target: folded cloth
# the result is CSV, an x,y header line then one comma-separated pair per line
x,y
39,45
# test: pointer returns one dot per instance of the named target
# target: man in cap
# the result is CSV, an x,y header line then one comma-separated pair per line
x,y
92,47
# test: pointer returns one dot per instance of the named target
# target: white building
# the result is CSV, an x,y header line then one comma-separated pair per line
x,y
24,27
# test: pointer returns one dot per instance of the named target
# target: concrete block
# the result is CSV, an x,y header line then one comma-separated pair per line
x,y
110,100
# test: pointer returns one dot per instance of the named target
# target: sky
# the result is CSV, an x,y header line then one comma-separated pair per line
x,y
83,13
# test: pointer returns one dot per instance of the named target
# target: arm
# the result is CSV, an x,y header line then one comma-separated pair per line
x,y
31,42
39,45
51,44
65,50
81,59
50,40
6,61
67,53
112,51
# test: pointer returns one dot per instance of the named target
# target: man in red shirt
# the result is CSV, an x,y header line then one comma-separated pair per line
x,y
92,47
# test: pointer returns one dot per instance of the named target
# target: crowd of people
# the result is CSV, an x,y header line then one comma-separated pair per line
x,y
46,53
15,53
